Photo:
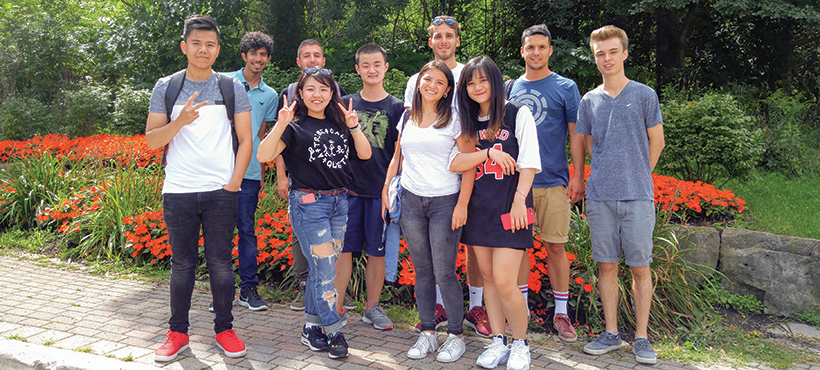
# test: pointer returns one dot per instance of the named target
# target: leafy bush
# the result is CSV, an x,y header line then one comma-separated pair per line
x,y
810,317
130,111
742,303
23,118
790,135
709,139
85,112
278,78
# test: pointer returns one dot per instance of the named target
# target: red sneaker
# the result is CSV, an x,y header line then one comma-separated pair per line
x,y
564,327
174,344
441,318
230,343
476,318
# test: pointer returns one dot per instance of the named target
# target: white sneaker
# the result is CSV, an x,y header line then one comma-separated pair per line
x,y
452,349
425,344
519,356
496,353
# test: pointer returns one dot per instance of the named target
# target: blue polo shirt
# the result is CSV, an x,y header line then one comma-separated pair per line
x,y
263,98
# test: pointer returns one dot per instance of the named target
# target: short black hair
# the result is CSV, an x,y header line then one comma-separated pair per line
x,y
306,43
254,41
538,29
199,22
370,49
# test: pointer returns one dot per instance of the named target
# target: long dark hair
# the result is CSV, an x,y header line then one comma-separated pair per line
x,y
444,109
332,111
468,108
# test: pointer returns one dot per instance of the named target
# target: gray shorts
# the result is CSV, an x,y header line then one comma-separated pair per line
x,y
617,226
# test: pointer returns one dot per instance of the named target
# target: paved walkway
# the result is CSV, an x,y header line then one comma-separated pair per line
x,y
65,307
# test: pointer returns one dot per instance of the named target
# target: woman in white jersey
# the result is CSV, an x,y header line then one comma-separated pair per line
x,y
318,138
505,154
433,205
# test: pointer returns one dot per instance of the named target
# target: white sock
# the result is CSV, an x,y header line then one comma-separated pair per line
x,y
476,295
561,299
309,325
438,296
525,290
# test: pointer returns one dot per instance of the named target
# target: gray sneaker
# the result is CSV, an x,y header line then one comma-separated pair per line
x,y
349,303
519,355
298,303
452,349
342,317
606,342
377,317
643,351
425,344
495,354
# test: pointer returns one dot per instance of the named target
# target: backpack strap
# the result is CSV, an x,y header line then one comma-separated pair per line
x,y
229,99
171,95
508,87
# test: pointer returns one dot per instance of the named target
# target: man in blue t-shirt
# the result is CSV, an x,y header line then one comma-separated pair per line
x,y
553,100
622,127
256,48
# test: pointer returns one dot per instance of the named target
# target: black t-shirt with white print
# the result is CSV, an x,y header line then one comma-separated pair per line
x,y
318,154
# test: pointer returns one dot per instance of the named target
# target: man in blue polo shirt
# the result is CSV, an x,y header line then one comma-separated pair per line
x,y
255,48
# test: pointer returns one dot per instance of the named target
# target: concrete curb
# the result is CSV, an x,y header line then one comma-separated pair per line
x,y
16,355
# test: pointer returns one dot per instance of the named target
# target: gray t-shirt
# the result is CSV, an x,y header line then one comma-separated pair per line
x,y
208,90
620,168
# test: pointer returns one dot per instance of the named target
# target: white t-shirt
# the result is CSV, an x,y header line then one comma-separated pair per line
x,y
410,90
427,155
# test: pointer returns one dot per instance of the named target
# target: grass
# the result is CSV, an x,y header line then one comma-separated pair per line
x,y
779,205
48,342
17,337
32,241
85,349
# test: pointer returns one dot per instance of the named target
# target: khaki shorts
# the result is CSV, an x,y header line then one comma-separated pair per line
x,y
552,212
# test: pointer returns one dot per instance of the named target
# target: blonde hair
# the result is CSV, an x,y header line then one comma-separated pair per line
x,y
455,26
608,32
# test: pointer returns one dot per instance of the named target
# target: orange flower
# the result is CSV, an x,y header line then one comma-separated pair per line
x,y
587,288
579,280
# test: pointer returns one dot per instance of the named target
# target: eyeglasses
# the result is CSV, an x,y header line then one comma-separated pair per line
x,y
313,70
443,18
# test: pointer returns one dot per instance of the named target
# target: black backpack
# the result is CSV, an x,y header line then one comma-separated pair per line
x,y
508,87
228,98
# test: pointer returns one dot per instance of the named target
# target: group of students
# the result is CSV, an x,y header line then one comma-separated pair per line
x,y
480,162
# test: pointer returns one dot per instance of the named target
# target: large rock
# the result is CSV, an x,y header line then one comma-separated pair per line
x,y
701,245
783,271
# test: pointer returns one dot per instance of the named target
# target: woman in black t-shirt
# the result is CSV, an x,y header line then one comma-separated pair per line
x,y
506,159
313,135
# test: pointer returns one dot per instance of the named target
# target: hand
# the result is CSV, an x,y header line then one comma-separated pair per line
x,y
231,187
385,203
282,188
576,189
190,112
506,161
518,217
287,111
459,216
351,117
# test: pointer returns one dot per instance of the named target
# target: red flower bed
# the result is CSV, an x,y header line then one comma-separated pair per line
x,y
119,150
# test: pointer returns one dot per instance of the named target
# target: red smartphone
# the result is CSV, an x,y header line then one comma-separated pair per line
x,y
505,219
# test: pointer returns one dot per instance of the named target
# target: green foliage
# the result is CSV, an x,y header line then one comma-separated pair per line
x,y
85,112
278,78
575,62
709,139
130,111
810,317
395,81
33,240
742,303
351,82
790,137
23,118
33,183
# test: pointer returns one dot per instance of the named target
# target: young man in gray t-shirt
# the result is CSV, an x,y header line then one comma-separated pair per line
x,y
622,127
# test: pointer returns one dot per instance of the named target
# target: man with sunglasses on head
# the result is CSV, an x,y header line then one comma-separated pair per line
x,y
309,54
444,39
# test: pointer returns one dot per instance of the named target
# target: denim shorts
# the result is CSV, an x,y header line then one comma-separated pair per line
x,y
621,227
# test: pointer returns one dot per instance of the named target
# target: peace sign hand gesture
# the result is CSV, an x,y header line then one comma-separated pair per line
x,y
351,117
190,112
287,111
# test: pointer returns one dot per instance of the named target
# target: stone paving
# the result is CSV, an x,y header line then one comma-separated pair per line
x,y
67,308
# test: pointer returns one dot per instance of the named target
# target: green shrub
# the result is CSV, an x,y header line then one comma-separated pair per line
x,y
85,112
709,139
742,303
130,111
278,78
789,135
23,118
810,317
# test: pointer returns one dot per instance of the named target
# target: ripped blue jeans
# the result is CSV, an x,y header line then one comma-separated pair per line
x,y
319,220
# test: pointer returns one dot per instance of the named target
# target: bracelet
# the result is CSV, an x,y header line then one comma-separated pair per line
x,y
356,129
520,192
488,153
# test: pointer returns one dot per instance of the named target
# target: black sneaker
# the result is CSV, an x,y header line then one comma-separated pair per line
x,y
337,345
211,306
315,339
249,298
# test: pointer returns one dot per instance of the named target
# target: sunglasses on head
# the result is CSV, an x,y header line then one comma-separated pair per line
x,y
313,70
443,18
